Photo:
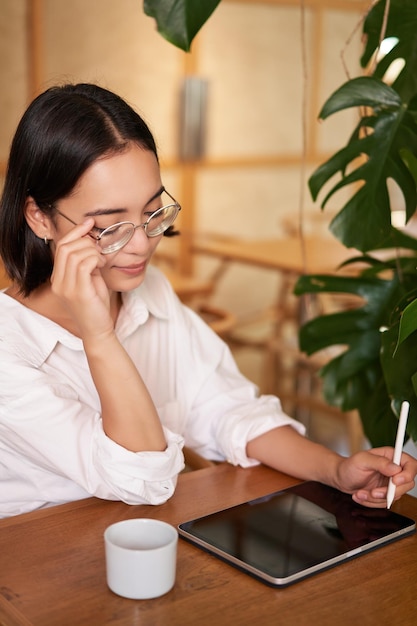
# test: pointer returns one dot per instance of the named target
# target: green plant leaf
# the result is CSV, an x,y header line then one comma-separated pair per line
x,y
351,376
398,239
411,161
178,21
378,419
355,377
373,371
361,91
408,322
374,155
398,364
401,24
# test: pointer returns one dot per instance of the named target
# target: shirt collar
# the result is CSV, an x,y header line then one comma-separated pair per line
x,y
34,336
148,295
139,304
30,335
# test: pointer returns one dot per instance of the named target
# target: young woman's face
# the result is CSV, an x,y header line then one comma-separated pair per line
x,y
123,187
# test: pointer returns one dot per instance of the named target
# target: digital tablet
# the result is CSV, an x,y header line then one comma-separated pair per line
x,y
294,533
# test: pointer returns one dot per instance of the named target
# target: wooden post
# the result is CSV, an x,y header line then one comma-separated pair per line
x,y
35,47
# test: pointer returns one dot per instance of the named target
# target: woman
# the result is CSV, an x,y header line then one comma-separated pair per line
x,y
103,373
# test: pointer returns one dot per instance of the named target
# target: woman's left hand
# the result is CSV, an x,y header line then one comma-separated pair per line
x,y
365,475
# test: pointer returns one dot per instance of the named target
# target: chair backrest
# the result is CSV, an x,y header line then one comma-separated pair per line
x,y
194,461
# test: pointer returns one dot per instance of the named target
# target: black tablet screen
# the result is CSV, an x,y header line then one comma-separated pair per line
x,y
295,532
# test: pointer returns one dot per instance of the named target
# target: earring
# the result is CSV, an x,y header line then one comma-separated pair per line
x,y
46,240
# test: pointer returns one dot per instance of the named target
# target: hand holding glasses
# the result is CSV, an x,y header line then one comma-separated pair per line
x,y
115,237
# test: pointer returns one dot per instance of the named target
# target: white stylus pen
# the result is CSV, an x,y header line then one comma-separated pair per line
x,y
399,442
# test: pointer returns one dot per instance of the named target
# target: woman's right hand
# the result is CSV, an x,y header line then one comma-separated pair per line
x,y
76,279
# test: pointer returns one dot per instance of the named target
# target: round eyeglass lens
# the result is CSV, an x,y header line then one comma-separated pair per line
x,y
161,220
115,237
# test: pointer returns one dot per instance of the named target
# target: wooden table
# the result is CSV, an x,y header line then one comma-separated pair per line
x,y
290,257
52,569
315,255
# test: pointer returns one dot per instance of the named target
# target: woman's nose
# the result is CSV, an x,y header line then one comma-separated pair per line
x,y
139,241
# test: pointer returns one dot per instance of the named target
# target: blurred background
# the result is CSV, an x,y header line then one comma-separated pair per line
x,y
236,125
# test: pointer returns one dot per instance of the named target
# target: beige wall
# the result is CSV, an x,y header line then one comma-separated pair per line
x,y
251,54
13,69
116,45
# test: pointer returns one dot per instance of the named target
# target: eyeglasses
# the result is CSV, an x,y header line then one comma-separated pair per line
x,y
115,237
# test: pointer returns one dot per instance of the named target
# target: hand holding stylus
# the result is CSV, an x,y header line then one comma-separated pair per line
x,y
399,442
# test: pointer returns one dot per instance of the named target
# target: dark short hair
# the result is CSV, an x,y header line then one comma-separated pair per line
x,y
63,131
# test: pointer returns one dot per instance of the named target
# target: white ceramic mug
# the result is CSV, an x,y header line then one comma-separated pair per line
x,y
141,557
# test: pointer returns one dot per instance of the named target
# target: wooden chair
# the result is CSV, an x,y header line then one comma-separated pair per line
x,y
4,280
290,374
294,378
195,292
194,461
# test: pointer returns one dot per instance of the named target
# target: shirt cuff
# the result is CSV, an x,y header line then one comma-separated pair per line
x,y
247,428
147,477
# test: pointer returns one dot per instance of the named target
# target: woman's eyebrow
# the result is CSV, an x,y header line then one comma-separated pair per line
x,y
117,211
156,195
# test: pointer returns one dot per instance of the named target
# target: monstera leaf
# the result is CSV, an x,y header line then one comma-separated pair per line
x,y
375,153
372,372
402,26
178,21
376,366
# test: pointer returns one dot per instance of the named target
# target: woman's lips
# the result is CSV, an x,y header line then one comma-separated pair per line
x,y
132,270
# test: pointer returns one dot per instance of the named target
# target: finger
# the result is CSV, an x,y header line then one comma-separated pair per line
x,y
72,272
368,501
70,254
386,452
79,234
403,483
408,461
380,459
408,470
80,230
375,498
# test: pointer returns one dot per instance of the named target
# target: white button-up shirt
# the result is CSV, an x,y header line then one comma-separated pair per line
x,y
53,448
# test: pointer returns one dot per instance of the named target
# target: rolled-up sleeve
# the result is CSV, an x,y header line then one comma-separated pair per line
x,y
136,477
227,410
54,448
